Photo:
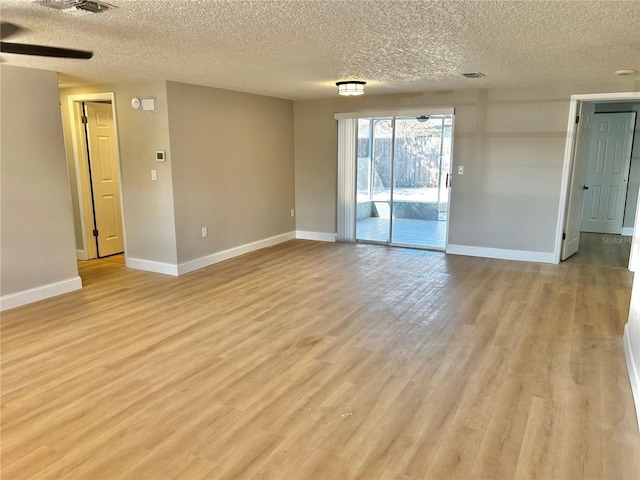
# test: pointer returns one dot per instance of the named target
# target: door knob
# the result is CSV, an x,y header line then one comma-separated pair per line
x,y
584,187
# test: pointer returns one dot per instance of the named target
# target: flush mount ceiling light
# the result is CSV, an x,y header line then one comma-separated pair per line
x,y
76,7
351,88
625,72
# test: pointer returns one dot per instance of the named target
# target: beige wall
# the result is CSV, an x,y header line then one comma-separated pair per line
x,y
511,142
148,205
632,338
229,168
37,245
232,162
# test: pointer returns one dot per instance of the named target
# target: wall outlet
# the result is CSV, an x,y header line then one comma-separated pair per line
x,y
154,177
460,169
293,212
205,232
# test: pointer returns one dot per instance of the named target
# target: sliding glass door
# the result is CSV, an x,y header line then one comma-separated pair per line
x,y
373,177
403,172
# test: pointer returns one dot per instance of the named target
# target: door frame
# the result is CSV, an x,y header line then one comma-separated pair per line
x,y
567,167
82,170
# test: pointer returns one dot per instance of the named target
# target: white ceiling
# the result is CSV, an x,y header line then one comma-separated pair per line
x,y
299,49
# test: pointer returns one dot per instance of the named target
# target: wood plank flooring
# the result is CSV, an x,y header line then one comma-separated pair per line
x,y
603,249
323,361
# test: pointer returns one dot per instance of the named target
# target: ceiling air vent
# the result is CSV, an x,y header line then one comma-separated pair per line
x,y
76,7
473,75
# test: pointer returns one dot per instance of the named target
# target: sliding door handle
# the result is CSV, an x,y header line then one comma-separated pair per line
x,y
447,182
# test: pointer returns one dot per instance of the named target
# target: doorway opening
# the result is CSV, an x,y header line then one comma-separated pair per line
x,y
601,180
403,168
94,134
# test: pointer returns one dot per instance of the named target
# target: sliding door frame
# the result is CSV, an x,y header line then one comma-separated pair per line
x,y
392,183
347,125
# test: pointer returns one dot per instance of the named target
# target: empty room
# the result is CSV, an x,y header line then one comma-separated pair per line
x,y
319,239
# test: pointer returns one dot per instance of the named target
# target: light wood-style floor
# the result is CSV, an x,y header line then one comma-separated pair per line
x,y
324,361
603,249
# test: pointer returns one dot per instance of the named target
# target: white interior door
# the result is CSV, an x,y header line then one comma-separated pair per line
x,y
571,237
608,172
105,178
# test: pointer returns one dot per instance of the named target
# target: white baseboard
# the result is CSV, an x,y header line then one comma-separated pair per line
x,y
31,295
634,379
82,255
627,231
198,263
151,266
317,236
501,253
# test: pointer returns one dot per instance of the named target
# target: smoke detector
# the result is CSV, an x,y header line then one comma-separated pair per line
x,y
626,71
76,7
473,75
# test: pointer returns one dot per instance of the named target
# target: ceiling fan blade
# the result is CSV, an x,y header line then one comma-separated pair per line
x,y
42,51
8,29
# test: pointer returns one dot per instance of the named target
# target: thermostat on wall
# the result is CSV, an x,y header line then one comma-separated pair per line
x,y
144,104
160,156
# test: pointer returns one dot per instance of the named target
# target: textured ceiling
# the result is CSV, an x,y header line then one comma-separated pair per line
x,y
299,49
